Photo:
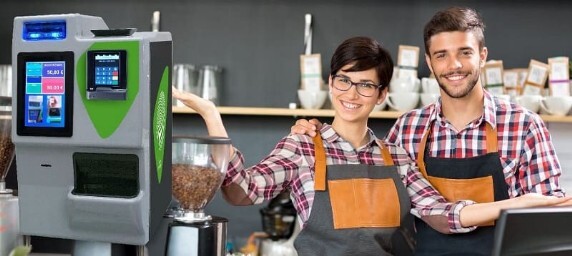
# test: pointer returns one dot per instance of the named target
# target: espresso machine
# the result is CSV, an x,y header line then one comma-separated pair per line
x,y
92,131
199,167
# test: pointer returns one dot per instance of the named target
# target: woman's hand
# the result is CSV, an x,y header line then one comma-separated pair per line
x,y
203,107
206,108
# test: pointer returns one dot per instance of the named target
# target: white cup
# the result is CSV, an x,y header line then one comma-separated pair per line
x,y
404,84
312,99
556,105
530,102
403,101
428,98
430,85
380,106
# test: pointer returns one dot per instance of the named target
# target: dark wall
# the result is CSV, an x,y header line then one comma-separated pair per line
x,y
258,43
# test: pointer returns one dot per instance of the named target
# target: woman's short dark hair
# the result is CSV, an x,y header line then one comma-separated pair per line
x,y
365,53
455,19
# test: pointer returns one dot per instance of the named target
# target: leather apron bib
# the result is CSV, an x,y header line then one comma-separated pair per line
x,y
363,210
479,178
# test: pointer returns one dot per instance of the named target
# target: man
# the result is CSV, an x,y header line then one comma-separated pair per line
x,y
470,144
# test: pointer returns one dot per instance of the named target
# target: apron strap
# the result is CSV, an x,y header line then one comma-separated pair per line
x,y
387,159
320,165
421,153
491,140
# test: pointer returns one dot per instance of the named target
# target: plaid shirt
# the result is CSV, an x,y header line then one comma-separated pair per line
x,y
526,151
290,166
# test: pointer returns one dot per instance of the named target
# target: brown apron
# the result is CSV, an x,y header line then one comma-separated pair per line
x,y
479,178
357,210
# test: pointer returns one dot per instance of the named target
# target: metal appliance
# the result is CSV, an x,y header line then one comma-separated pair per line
x,y
185,79
279,223
9,233
199,167
210,82
92,131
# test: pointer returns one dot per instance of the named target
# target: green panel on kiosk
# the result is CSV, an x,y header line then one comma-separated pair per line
x,y
107,115
160,122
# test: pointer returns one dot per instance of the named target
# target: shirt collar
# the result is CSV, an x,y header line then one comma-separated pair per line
x,y
489,110
331,136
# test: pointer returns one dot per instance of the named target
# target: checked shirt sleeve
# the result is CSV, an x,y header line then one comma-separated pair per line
x,y
539,168
425,200
270,176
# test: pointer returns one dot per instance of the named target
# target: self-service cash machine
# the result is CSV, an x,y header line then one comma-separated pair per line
x,y
92,129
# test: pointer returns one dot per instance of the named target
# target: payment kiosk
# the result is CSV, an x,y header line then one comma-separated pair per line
x,y
92,130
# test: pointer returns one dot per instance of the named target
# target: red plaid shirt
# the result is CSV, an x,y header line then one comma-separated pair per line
x,y
290,166
525,147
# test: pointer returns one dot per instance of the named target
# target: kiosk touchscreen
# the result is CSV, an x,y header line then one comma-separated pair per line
x,y
46,90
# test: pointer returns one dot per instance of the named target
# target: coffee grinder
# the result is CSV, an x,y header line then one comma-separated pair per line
x,y
199,167
92,131
9,234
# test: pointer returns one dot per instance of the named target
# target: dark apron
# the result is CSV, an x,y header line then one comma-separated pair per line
x,y
480,179
364,210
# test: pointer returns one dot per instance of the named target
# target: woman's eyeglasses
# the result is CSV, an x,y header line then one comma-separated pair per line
x,y
344,83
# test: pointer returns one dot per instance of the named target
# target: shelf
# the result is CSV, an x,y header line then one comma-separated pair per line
x,y
556,119
251,111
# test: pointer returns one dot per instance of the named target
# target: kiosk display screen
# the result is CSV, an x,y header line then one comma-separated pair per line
x,y
45,93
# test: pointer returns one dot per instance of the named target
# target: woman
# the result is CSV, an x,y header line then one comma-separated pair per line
x,y
361,205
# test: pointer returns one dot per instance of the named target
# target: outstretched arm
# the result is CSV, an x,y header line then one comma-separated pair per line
x,y
477,214
232,193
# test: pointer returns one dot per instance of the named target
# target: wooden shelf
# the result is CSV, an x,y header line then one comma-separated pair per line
x,y
252,111
556,119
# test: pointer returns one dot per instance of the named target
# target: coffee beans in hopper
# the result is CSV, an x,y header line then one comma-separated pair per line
x,y
194,186
6,152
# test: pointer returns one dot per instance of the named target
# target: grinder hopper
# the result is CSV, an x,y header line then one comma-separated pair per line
x,y
6,147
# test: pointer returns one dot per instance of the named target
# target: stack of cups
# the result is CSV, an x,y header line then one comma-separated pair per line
x,y
530,102
403,93
556,105
313,97
430,93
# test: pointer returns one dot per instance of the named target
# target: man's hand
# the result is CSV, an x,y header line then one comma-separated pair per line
x,y
303,126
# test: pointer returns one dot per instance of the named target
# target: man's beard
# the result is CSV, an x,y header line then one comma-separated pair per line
x,y
454,93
